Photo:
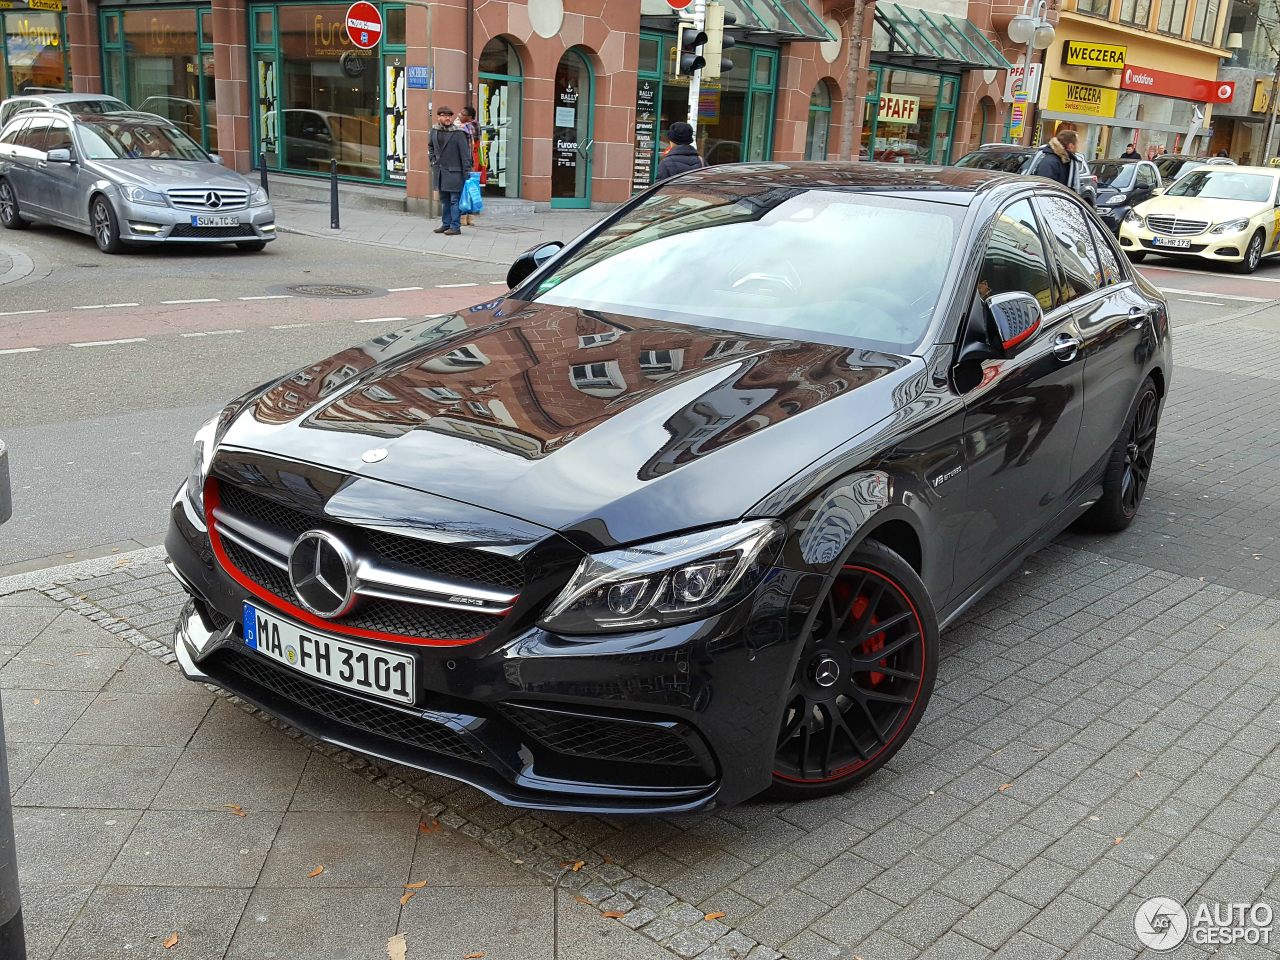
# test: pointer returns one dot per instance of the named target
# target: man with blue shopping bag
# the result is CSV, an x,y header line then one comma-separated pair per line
x,y
449,152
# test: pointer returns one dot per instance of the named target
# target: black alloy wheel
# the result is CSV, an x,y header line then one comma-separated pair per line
x,y
10,218
863,679
1124,483
106,229
1252,254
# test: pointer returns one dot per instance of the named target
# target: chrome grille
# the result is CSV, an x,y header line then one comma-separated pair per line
x,y
212,199
1176,226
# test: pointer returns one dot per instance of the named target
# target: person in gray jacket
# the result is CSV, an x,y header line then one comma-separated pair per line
x,y
449,151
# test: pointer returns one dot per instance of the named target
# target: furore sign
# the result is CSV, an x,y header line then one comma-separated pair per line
x,y
1101,56
1082,98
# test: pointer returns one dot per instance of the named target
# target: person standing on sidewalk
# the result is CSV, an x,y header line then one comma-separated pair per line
x,y
683,155
472,130
449,152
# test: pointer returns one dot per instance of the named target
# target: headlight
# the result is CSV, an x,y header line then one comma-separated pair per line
x,y
259,198
665,582
206,444
1134,218
1113,201
143,195
1231,226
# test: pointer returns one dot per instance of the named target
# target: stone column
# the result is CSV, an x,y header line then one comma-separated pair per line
x,y
232,88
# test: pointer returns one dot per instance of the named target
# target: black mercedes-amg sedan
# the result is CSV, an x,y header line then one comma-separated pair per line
x,y
679,519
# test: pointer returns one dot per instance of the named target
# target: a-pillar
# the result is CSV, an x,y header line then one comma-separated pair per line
x,y
231,84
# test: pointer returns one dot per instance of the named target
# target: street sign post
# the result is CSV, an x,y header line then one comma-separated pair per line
x,y
364,24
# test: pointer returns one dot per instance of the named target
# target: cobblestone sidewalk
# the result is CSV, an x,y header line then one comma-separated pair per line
x,y
1105,729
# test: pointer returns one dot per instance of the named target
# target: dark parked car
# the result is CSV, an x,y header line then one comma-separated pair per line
x,y
1174,165
680,518
1015,158
1122,185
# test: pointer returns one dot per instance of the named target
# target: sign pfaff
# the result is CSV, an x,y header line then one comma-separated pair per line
x,y
1014,77
1100,56
899,108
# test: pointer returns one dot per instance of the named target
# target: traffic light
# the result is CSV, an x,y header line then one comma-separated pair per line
x,y
718,42
688,40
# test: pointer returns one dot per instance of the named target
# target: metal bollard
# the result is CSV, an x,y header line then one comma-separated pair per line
x,y
333,195
13,942
262,173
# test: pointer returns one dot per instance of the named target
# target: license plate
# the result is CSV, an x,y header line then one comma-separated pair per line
x,y
207,220
369,670
1171,242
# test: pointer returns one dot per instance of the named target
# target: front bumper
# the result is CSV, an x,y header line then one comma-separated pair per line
x,y
1224,248
662,722
150,223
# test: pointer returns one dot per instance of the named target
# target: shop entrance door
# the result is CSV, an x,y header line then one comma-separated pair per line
x,y
571,144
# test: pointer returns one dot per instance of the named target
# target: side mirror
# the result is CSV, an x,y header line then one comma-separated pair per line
x,y
60,155
528,262
1157,191
1017,317
216,159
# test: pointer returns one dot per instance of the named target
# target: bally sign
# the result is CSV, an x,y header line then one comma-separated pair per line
x,y
1101,56
899,108
1176,85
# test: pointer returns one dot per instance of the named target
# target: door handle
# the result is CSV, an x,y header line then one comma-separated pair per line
x,y
1066,347
42,164
1138,317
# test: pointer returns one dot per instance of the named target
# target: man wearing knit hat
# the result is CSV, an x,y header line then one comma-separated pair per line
x,y
683,155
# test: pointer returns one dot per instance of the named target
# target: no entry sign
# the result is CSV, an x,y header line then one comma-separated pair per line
x,y
679,4
364,25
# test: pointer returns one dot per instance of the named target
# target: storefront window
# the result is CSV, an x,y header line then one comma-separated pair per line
x,y
815,139
571,144
1172,16
911,118
1135,12
735,111
499,107
1205,21
329,90
34,54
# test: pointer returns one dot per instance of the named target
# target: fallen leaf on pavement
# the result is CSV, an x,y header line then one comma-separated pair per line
x,y
416,885
35,701
397,949
574,865
236,809
408,895
424,827
1117,841
84,653
1005,786
613,914
170,941
583,900
718,915
1137,773
317,871
474,956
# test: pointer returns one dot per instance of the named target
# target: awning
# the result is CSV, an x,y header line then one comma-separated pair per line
x,y
912,37
787,21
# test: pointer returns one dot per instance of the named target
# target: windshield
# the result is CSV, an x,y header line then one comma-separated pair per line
x,y
1223,183
1117,176
1003,161
784,262
94,107
118,138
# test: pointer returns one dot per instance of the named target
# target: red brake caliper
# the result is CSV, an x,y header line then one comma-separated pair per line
x,y
872,643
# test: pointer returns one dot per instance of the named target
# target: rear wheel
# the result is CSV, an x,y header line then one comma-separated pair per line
x,y
863,679
1125,481
106,228
10,218
1252,254
252,246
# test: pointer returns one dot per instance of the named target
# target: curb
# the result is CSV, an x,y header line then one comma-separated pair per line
x,y
47,578
20,266
338,235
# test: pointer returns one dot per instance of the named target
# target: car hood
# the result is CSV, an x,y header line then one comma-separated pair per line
x,y
169,174
616,427
1201,208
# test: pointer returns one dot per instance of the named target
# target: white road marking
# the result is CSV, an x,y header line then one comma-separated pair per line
x,y
210,333
1203,303
20,350
110,343
1220,296
201,300
290,326
1203,273
383,320
447,286
271,296
105,306
401,289
20,313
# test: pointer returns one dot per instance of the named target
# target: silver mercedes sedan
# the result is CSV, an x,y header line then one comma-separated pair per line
x,y
124,179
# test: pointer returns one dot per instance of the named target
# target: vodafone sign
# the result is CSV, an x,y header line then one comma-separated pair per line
x,y
1176,85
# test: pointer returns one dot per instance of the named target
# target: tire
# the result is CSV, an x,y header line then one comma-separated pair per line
x,y
251,246
105,226
1136,257
10,218
1125,480
1252,254
857,695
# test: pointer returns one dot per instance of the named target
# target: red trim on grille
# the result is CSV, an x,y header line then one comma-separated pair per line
x,y
212,501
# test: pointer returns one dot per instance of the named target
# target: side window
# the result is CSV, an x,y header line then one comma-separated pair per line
x,y
35,134
58,137
1112,272
12,131
1015,260
1146,176
1079,271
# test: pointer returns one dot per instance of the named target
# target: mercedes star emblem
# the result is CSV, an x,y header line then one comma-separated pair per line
x,y
322,573
213,200
827,672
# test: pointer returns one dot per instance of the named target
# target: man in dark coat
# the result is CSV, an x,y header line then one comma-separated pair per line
x,y
1131,153
449,150
1056,161
683,155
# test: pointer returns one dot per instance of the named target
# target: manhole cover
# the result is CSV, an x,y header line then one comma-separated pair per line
x,y
330,290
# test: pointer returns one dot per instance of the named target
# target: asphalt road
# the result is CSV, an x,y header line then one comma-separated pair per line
x,y
99,431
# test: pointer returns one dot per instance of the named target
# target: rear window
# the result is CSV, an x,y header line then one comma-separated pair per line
x,y
1001,160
